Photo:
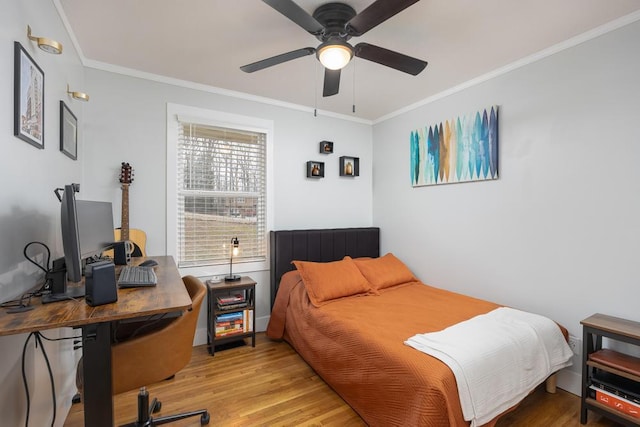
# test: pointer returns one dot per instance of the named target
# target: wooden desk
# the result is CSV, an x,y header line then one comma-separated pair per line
x,y
168,296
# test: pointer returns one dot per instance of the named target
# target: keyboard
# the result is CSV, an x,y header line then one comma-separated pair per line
x,y
132,276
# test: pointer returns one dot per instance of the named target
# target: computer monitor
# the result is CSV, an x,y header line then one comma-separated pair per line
x,y
95,227
87,230
70,233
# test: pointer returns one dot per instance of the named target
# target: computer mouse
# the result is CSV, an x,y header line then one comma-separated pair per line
x,y
149,263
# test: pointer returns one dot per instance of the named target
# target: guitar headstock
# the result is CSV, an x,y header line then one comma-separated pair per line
x,y
126,173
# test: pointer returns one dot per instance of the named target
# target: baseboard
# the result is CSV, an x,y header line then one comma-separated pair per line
x,y
200,337
570,381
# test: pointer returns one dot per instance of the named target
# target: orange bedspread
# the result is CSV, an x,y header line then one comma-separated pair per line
x,y
357,346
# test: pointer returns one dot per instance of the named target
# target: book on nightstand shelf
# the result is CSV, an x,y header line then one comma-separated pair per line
x,y
616,402
615,384
234,323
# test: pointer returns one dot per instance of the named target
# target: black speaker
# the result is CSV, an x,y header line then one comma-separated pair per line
x,y
100,283
120,254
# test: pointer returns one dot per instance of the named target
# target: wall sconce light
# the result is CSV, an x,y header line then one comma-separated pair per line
x,y
80,96
48,45
234,252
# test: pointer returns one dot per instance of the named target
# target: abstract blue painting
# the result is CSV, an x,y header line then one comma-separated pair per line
x,y
462,149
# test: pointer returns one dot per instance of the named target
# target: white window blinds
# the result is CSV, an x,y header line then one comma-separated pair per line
x,y
221,194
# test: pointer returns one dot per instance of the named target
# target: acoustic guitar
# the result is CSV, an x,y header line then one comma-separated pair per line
x,y
138,238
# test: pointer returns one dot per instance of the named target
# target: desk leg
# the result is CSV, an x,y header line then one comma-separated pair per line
x,y
98,396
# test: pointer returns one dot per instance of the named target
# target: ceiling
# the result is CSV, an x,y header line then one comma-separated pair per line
x,y
206,41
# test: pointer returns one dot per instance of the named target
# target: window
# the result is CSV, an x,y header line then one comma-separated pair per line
x,y
220,191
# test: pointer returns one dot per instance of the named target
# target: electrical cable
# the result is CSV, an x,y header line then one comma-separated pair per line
x,y
20,305
53,385
24,379
38,340
59,339
24,302
24,251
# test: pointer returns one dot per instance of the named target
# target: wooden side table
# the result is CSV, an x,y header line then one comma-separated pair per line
x,y
231,312
595,359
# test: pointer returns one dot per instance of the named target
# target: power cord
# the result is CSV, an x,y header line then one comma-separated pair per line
x,y
24,251
38,340
24,302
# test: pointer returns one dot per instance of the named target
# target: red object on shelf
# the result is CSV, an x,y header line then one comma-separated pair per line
x,y
620,361
618,403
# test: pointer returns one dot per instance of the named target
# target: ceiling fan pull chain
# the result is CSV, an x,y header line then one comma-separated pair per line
x,y
315,89
353,107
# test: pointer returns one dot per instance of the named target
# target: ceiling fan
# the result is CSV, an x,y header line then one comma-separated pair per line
x,y
334,24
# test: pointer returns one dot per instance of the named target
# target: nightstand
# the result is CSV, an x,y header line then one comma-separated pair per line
x,y
231,312
604,370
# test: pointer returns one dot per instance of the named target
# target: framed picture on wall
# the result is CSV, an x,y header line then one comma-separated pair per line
x,y
68,132
28,108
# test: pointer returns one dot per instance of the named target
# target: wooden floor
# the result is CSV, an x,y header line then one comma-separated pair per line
x,y
271,385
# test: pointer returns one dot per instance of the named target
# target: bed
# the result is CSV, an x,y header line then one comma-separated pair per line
x,y
355,339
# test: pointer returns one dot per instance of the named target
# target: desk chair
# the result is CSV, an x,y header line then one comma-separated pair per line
x,y
156,356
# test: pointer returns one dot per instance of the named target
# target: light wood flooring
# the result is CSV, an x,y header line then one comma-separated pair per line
x,y
270,385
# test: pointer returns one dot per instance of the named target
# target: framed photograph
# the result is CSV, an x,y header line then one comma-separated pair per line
x,y
326,147
28,109
68,132
315,169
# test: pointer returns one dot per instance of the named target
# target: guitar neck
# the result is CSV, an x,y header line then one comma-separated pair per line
x,y
124,224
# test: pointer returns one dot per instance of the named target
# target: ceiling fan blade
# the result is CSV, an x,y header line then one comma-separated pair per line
x,y
378,12
390,58
297,14
278,59
331,82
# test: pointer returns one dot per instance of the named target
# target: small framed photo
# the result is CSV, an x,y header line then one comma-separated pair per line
x,y
349,166
326,147
28,99
315,169
68,132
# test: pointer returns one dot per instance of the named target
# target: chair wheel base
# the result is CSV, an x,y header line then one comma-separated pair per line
x,y
146,408
204,419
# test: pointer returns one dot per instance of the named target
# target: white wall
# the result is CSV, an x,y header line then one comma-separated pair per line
x,y
29,211
126,121
558,233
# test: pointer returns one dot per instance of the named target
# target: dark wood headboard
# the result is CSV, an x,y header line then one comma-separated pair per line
x,y
322,245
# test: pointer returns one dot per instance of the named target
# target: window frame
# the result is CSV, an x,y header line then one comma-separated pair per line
x,y
176,114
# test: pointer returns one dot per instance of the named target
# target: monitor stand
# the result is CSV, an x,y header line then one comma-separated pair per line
x,y
69,293
57,277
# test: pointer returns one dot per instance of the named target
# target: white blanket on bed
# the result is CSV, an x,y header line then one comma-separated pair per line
x,y
497,358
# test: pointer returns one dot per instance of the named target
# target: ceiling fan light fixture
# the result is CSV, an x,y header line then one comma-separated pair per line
x,y
335,55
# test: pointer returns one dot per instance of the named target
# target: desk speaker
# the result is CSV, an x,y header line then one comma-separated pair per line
x,y
122,253
100,283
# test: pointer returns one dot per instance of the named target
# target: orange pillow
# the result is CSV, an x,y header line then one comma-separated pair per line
x,y
328,281
385,271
